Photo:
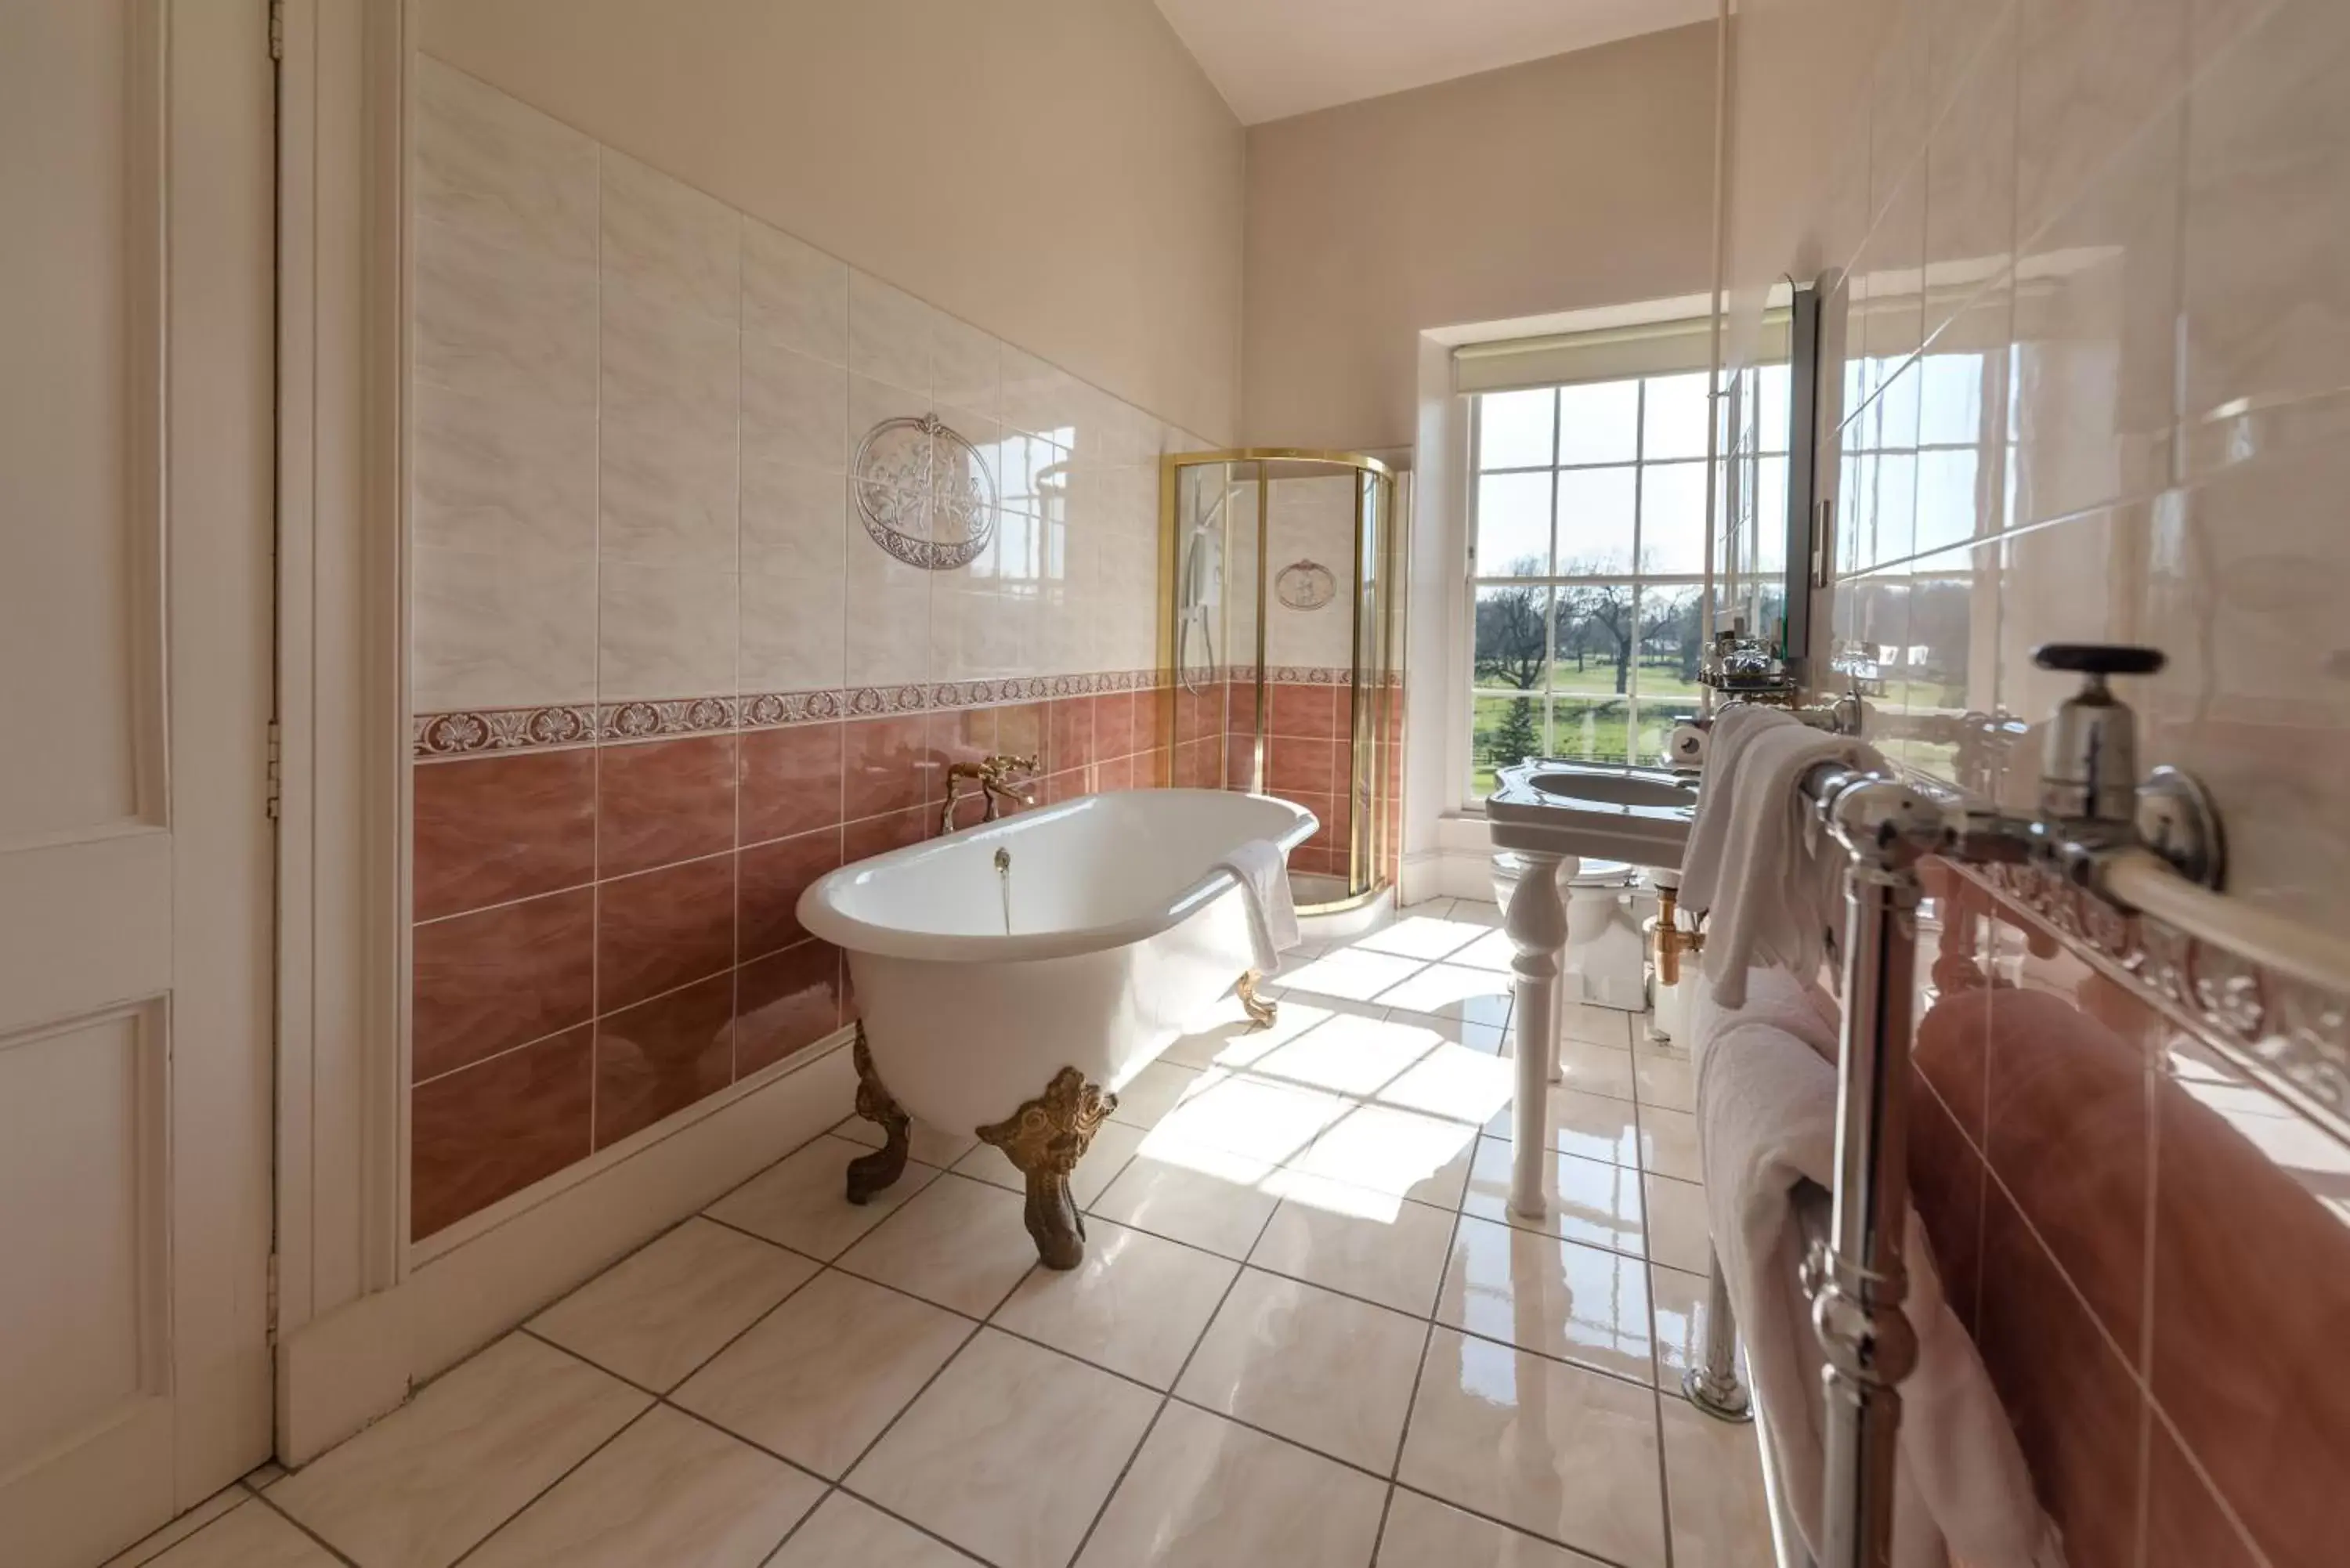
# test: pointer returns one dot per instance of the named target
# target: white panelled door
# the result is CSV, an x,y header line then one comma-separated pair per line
x,y
136,515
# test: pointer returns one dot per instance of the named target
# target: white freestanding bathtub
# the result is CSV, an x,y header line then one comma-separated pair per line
x,y
1011,975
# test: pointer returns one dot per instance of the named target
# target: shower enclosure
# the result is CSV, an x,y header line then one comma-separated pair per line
x,y
1281,637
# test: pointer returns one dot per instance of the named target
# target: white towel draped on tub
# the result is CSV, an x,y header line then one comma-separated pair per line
x,y
1264,888
1766,1094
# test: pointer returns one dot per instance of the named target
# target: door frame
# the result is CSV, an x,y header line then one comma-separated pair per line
x,y
342,701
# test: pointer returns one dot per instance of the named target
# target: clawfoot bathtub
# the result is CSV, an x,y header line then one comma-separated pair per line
x,y
1014,975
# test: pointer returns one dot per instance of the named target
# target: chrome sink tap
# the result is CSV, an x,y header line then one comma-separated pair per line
x,y
1000,778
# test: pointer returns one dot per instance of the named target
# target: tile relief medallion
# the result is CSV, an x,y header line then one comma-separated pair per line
x,y
925,492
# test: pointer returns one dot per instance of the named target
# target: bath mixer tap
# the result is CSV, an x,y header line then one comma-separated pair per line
x,y
1000,778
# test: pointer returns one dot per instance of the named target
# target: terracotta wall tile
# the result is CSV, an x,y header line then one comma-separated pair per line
x,y
2075,1405
1951,1051
784,1003
1199,765
1311,711
492,829
1064,787
1025,731
886,765
661,1056
1154,719
1115,731
2251,1302
790,781
1946,1186
479,1135
771,878
1072,742
879,835
2067,1118
1301,766
658,930
956,735
660,801
501,977
1115,774
2185,1526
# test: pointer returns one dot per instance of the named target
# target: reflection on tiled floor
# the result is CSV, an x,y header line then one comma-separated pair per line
x,y
1307,1331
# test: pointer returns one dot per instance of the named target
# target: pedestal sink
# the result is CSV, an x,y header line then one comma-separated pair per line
x,y
1548,812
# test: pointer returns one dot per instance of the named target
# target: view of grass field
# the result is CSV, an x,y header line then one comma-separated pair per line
x,y
1583,717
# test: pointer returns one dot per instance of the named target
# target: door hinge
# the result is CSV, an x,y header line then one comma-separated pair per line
x,y
276,774
276,29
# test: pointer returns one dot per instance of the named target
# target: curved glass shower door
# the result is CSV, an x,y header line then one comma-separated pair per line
x,y
1280,641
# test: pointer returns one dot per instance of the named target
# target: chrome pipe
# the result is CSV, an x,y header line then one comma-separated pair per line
x,y
1713,1384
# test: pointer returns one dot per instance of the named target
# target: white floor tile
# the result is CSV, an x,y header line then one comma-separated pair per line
x,y
1669,1139
1114,1144
931,1146
1453,990
422,1486
1010,1452
667,1489
250,1534
1679,1301
1424,1533
1147,1098
655,1316
1207,1493
1567,1454
1590,1200
1713,1475
820,1377
1346,1055
1249,1116
1351,975
1305,1363
1456,1083
958,1242
1399,1152
1136,1306
1669,1082
1374,1245
1420,935
1237,1043
1678,1233
1596,1069
1199,1196
153,1545
800,1202
1560,1298
845,1532
1580,1122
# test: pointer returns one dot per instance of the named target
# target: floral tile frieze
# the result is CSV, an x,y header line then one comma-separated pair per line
x,y
466,732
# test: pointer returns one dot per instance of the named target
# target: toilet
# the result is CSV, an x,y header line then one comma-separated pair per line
x,y
1606,963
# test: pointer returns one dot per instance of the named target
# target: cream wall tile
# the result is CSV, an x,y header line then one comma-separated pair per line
x,y
794,632
665,498
1567,1454
891,334
794,409
503,323
1898,100
656,1315
668,368
1424,1533
501,476
1970,178
666,242
1010,1452
500,169
2094,73
794,296
665,631
1888,302
889,617
2093,384
870,401
798,517
423,1485
492,631
2267,212
669,1488
1205,1492
966,368
819,1378
251,1535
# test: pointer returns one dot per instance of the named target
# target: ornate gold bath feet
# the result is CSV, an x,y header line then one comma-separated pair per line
x,y
1260,1011
870,1173
1044,1139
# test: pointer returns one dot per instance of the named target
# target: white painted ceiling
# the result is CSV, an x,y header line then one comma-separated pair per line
x,y
1271,58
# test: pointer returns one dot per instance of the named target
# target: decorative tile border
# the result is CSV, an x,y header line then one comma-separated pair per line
x,y
1298,674
464,732
2291,1036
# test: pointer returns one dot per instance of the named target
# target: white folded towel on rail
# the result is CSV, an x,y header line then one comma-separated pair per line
x,y
1759,864
1264,875
1766,1094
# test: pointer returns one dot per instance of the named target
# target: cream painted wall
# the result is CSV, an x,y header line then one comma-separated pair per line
x,y
1578,180
981,154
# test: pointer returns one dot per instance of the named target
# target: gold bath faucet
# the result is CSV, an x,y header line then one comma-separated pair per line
x,y
1000,778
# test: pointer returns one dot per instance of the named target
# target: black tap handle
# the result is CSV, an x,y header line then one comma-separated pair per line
x,y
2098,658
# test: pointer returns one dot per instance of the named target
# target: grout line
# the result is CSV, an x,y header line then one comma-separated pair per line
x,y
569,1471
266,1502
